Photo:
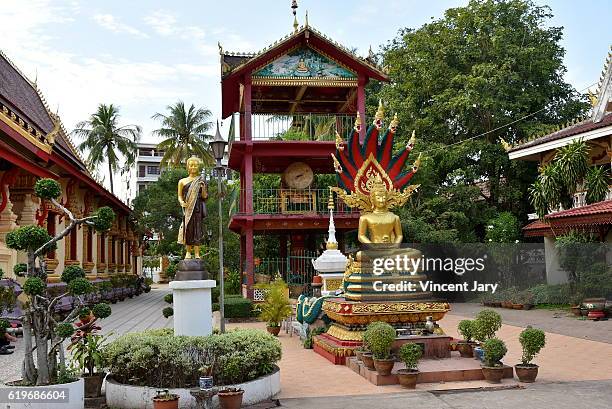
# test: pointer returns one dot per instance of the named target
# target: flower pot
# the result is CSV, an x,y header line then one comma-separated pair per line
x,y
93,385
273,330
358,354
408,378
576,310
368,360
517,306
596,315
230,400
526,373
465,350
384,366
165,403
317,279
493,374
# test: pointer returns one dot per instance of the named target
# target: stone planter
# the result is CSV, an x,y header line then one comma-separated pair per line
x,y
75,393
384,366
465,350
93,385
368,360
273,330
120,396
230,400
493,374
408,378
358,354
526,373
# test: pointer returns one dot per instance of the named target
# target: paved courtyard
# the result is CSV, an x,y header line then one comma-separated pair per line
x,y
304,374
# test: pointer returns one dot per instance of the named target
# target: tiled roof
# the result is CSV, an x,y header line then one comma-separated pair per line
x,y
580,127
595,208
536,225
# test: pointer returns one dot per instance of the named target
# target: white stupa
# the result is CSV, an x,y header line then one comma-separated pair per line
x,y
331,264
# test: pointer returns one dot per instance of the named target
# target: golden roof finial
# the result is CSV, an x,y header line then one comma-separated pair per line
x,y
337,166
505,144
330,202
306,19
339,142
294,7
417,163
357,126
380,114
412,140
220,47
592,98
394,123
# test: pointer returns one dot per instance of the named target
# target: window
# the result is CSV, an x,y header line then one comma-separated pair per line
x,y
141,187
159,153
153,170
145,152
141,171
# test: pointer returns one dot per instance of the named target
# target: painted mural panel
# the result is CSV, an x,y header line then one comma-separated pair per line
x,y
304,63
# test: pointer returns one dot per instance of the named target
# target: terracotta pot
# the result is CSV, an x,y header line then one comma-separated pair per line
x,y
358,354
230,400
273,330
93,385
517,306
576,310
408,378
493,374
465,350
367,360
317,279
384,366
166,404
526,373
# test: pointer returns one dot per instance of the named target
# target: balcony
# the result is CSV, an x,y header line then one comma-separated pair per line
x,y
300,127
580,197
290,201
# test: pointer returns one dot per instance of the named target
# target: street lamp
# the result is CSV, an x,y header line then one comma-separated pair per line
x,y
218,149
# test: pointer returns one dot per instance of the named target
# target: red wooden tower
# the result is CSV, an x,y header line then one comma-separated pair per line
x,y
290,99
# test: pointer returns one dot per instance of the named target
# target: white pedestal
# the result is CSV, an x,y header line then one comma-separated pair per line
x,y
192,303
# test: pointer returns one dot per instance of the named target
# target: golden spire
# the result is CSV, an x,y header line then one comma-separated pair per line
x,y
337,166
505,144
380,114
294,7
330,202
306,19
339,142
357,126
592,98
412,140
417,163
394,123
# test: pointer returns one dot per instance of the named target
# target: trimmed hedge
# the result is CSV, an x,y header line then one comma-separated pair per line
x,y
156,358
236,307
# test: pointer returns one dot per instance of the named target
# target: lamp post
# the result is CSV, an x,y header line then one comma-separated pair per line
x,y
218,149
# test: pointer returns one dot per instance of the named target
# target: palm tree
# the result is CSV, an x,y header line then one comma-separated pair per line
x,y
185,134
107,141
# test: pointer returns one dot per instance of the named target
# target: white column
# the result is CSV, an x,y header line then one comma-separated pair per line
x,y
192,303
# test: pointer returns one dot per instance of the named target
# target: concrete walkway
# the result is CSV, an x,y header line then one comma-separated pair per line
x,y
567,395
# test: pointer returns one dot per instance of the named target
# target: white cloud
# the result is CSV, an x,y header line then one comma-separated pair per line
x,y
109,22
162,21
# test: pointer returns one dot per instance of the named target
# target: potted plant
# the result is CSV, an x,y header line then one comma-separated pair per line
x,y
230,398
381,336
276,306
576,303
494,351
527,299
532,340
465,347
366,356
410,355
486,324
165,400
359,352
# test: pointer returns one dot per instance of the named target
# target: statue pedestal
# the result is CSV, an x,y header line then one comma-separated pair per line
x,y
192,303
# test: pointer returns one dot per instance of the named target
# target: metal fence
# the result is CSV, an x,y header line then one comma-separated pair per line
x,y
300,127
296,270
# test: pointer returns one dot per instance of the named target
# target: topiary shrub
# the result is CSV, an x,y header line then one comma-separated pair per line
x,y
34,286
47,189
171,271
64,330
380,337
80,286
168,298
101,310
4,325
103,218
486,324
532,340
466,329
72,272
20,269
240,356
28,238
410,355
494,351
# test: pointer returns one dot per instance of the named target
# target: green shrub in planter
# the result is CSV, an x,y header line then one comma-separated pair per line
x,y
168,298
410,355
466,329
34,286
236,307
20,269
168,312
101,310
380,337
240,356
494,351
532,340
486,324
72,272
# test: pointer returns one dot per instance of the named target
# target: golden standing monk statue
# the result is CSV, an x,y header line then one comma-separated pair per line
x,y
192,195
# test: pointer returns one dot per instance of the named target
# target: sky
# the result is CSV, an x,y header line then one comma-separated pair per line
x,y
144,55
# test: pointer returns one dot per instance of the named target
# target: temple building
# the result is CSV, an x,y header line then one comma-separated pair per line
x,y
595,218
289,100
33,145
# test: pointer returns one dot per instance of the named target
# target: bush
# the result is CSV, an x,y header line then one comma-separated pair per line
x,y
240,356
232,283
169,298
410,355
532,340
380,337
236,307
47,189
20,269
168,312
486,324
466,329
171,271
276,306
80,286
104,218
504,228
494,351
551,294
28,238
4,325
101,310
72,272
34,286
64,330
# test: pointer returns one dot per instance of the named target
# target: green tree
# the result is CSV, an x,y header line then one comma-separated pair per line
x,y
107,141
458,81
185,134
